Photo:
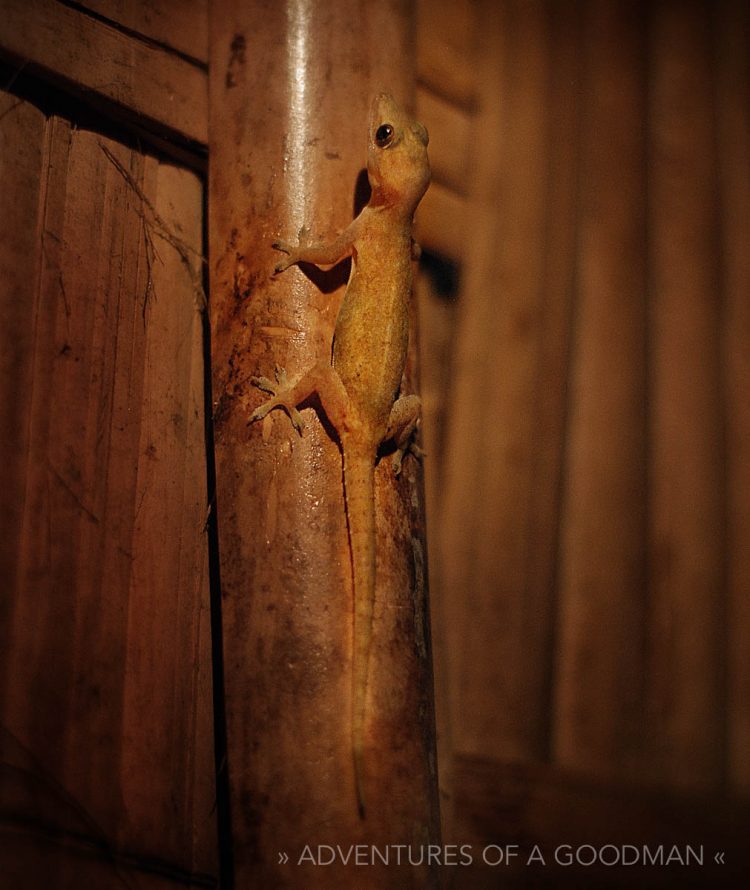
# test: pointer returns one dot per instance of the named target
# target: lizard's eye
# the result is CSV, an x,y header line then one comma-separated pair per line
x,y
384,135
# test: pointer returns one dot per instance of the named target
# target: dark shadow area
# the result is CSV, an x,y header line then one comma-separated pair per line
x,y
362,192
91,112
223,807
327,280
444,275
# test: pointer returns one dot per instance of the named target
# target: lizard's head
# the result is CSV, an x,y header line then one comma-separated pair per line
x,y
397,163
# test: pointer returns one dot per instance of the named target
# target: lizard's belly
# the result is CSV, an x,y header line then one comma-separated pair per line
x,y
371,339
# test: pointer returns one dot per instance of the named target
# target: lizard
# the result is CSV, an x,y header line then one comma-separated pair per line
x,y
358,388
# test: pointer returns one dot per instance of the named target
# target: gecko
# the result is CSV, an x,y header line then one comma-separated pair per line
x,y
358,388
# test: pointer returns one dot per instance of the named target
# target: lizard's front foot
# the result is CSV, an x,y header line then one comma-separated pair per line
x,y
292,251
289,260
279,391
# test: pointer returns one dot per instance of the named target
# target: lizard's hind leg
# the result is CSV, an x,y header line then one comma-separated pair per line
x,y
402,424
321,380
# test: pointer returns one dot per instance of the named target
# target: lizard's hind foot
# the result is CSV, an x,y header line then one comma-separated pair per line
x,y
410,448
279,391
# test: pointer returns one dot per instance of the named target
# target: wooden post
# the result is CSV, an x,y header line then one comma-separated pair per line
x,y
289,94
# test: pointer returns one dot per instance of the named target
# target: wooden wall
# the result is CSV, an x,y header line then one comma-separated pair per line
x,y
106,742
589,530
584,328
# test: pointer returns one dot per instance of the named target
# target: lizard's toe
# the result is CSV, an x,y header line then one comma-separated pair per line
x,y
261,411
280,374
297,422
265,384
398,457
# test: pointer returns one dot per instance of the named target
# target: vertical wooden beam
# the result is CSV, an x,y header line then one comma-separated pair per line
x,y
289,94
601,583
549,400
105,704
685,693
488,465
22,182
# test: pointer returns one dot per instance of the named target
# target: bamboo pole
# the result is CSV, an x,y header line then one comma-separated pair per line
x,y
289,95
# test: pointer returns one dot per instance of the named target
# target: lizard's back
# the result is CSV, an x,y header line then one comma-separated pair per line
x,y
372,328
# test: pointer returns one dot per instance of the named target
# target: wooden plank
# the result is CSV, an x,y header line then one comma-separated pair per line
x,y
549,401
686,692
180,26
137,81
37,656
285,559
733,116
446,38
485,521
114,412
449,128
169,554
21,182
601,582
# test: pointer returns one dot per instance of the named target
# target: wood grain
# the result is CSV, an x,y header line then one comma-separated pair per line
x,y
602,538
550,399
687,533
181,26
137,81
105,663
24,154
632,511
490,446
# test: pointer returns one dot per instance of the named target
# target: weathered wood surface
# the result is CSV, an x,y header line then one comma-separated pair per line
x,y
180,25
105,675
145,63
601,573
686,694
634,414
138,81
285,562
591,559
489,447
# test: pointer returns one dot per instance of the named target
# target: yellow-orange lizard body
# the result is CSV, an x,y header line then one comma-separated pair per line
x,y
359,389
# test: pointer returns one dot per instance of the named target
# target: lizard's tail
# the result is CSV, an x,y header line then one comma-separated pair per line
x,y
359,479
